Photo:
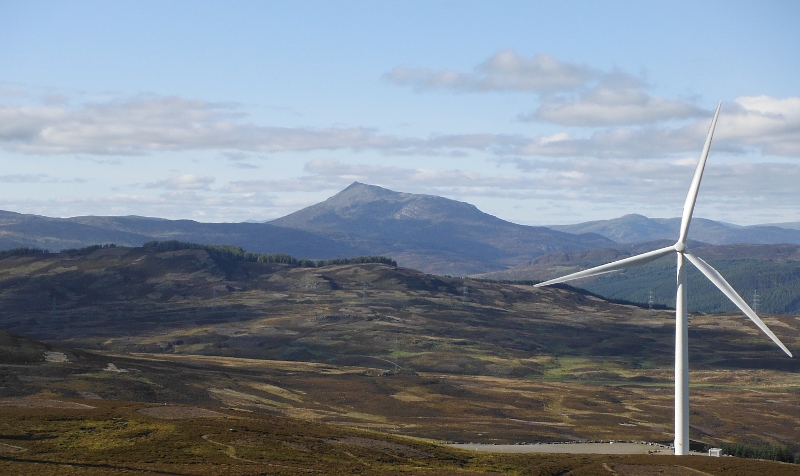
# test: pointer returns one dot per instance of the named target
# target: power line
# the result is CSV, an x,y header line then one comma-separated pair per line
x,y
756,301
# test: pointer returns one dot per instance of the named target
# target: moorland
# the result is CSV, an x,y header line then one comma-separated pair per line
x,y
447,237
293,358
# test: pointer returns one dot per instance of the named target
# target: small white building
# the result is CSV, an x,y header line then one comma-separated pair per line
x,y
715,452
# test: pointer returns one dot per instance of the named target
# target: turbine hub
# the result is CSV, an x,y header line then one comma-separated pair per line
x,y
680,247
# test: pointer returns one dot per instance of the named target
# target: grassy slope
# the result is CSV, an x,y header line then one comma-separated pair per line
x,y
506,364
117,438
234,416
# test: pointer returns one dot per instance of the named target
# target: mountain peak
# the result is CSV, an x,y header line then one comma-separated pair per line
x,y
365,205
362,192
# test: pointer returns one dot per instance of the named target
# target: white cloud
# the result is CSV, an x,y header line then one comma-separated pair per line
x,y
24,178
767,125
184,182
569,94
771,125
245,165
334,171
140,125
503,71
650,142
301,184
38,178
611,104
632,184
152,124
187,204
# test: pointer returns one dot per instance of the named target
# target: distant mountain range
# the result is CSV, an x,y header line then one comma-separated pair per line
x,y
429,233
638,228
18,230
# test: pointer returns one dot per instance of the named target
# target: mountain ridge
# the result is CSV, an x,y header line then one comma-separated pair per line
x,y
426,232
633,228
409,223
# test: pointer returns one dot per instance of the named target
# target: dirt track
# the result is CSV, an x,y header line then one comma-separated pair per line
x,y
584,448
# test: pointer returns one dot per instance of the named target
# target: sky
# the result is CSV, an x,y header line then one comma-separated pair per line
x,y
536,112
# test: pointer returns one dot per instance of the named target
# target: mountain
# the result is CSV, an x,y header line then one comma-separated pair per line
x,y
638,228
771,271
21,230
430,233
790,225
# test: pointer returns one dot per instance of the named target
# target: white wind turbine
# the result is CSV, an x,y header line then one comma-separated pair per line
x,y
681,320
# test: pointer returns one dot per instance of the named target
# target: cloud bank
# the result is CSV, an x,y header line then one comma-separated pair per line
x,y
503,71
569,94
761,124
147,124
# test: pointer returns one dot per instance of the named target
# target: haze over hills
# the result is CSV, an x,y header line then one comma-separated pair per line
x,y
638,228
429,233
20,230
432,234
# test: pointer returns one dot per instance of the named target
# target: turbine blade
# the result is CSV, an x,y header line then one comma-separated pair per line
x,y
716,278
614,266
691,197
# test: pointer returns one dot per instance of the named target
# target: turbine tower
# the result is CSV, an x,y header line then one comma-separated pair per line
x,y
681,320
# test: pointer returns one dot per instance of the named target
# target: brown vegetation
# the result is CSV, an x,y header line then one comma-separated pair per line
x,y
414,356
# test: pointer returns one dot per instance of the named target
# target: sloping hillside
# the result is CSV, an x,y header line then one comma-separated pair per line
x,y
191,301
372,346
772,272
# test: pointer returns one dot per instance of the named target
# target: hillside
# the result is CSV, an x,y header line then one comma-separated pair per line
x,y
407,353
638,228
772,271
192,301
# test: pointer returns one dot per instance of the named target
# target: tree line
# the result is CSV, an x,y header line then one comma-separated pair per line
x,y
237,253
781,453
230,252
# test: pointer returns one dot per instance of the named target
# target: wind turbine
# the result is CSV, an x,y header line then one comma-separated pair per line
x,y
681,320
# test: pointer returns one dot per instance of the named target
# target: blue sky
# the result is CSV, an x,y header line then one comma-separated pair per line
x,y
537,112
